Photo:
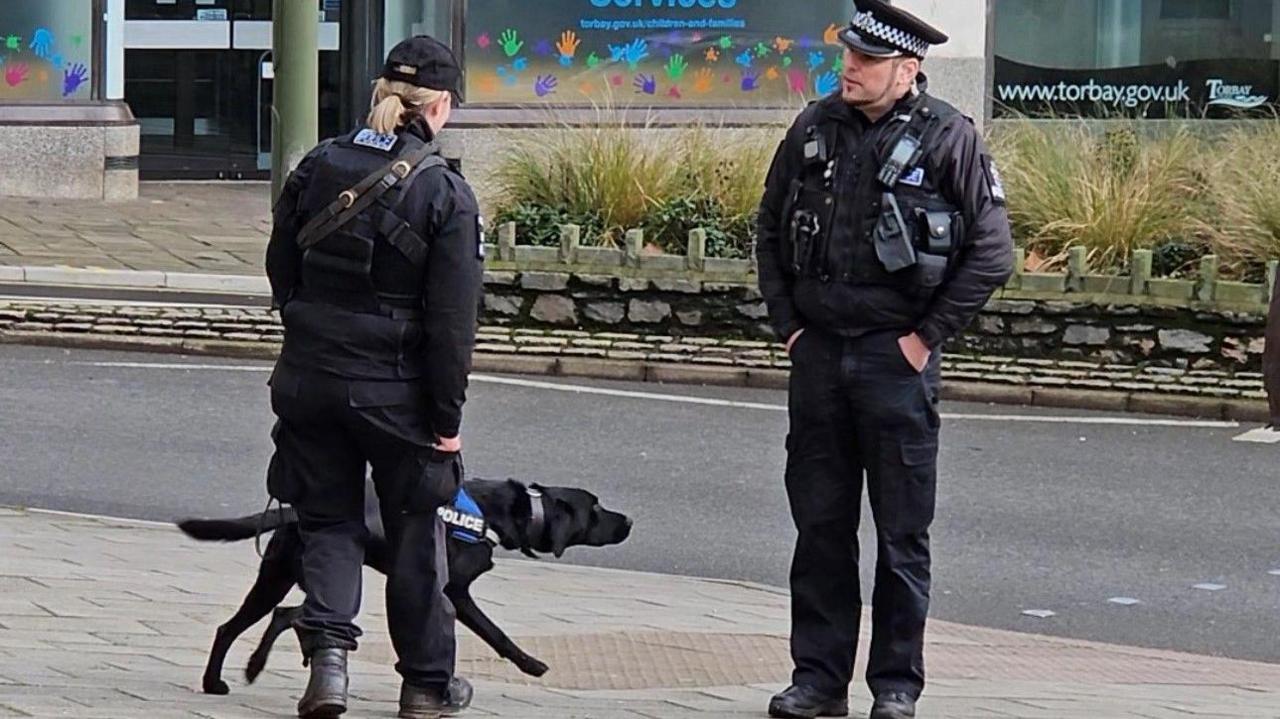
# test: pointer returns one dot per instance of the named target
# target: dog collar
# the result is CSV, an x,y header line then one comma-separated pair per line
x,y
537,515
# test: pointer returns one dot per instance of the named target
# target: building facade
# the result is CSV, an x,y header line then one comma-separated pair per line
x,y
182,88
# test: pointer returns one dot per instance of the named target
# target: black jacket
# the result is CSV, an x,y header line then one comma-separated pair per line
x,y
956,168
434,344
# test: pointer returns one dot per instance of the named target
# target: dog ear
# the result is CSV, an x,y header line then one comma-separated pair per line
x,y
562,529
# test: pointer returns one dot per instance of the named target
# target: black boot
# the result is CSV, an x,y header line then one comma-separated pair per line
x,y
801,702
894,705
326,695
421,702
458,697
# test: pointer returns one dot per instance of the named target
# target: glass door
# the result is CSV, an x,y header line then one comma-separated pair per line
x,y
198,78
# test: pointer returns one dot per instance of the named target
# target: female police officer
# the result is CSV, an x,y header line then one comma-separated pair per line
x,y
375,262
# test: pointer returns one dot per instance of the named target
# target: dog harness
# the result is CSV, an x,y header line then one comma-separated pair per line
x,y
466,521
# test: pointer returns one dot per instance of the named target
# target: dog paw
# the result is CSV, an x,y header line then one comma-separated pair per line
x,y
533,667
216,687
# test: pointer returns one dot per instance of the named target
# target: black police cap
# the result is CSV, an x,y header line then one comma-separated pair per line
x,y
882,30
425,62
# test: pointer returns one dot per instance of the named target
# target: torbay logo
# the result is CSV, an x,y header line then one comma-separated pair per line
x,y
1239,96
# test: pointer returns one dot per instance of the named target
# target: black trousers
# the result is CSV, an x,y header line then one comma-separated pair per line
x,y
328,430
857,407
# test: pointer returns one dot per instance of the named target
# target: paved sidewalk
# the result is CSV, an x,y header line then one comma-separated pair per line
x,y
200,228
101,618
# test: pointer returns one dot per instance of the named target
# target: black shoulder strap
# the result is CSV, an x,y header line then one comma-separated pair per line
x,y
393,227
353,201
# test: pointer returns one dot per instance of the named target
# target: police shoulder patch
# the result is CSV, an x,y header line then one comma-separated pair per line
x,y
479,237
915,178
376,140
993,179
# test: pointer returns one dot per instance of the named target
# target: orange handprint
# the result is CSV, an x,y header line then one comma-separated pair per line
x,y
703,80
772,73
568,45
712,55
488,84
832,35
782,44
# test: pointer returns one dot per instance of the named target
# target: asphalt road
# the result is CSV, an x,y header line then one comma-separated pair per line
x,y
1059,515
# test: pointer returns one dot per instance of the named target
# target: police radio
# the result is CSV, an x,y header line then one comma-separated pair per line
x,y
905,155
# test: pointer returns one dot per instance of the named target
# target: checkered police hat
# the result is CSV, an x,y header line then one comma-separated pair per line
x,y
881,30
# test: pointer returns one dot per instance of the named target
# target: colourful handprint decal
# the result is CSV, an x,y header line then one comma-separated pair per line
x,y
826,84
676,67
703,81
42,43
545,85
616,80
568,47
593,61
772,73
542,48
73,78
762,50
838,66
13,42
782,44
15,75
484,41
638,50
508,76
816,60
750,81
674,93
832,35
726,42
648,84
712,55
520,64
488,84
745,59
511,42
797,81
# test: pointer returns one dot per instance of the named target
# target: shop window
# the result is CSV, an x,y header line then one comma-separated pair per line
x,y
46,50
722,53
1137,58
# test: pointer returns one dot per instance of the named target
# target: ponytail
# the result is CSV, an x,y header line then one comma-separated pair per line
x,y
395,103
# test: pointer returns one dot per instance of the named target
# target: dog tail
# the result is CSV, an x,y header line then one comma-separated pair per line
x,y
235,530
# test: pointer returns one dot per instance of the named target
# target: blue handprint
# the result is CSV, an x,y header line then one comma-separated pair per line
x,y
73,78
520,64
617,52
826,84
637,51
745,59
58,62
545,85
508,77
543,48
750,80
42,42
648,84
816,60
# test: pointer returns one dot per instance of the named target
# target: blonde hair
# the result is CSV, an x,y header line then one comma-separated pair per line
x,y
394,103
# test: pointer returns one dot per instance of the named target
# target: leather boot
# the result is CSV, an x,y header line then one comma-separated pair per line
x,y
893,705
326,694
421,702
458,697
801,702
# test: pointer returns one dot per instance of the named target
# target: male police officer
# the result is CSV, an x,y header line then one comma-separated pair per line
x,y
882,233
376,262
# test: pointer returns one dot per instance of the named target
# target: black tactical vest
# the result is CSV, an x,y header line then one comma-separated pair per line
x,y
845,224
375,263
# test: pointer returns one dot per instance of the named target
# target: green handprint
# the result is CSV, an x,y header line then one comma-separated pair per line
x,y
786,61
838,66
726,42
762,50
676,67
593,61
511,42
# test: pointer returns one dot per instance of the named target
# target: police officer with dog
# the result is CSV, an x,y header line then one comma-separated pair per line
x,y
375,262
882,233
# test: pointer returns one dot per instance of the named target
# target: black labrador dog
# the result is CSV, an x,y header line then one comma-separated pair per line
x,y
531,519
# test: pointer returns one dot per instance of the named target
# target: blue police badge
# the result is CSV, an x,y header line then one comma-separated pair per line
x,y
376,140
915,178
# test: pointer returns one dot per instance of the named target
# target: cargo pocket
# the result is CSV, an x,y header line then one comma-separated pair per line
x,y
909,486
432,481
284,485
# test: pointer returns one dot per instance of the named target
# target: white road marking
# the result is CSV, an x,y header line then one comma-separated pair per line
x,y
100,517
1261,435
715,402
